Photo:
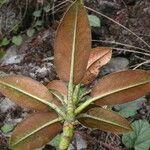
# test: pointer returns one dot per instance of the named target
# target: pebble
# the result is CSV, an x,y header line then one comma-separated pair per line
x,y
6,104
11,57
13,121
41,72
116,64
80,143
32,75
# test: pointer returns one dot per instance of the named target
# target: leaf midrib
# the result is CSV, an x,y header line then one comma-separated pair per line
x,y
89,101
103,120
88,67
73,49
28,94
119,90
37,130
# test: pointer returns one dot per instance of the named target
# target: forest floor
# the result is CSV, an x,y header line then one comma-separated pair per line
x,y
34,57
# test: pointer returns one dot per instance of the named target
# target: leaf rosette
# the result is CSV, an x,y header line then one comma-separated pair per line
x,y
59,104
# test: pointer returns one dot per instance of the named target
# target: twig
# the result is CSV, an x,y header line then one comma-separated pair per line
x,y
99,13
131,51
119,24
24,14
122,44
93,140
59,6
139,65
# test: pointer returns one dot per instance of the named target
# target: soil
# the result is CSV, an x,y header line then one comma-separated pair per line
x,y
37,62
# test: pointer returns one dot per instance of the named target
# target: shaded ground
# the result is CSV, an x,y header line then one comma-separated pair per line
x,y
37,53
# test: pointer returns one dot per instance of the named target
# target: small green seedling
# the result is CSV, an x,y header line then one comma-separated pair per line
x,y
139,139
62,104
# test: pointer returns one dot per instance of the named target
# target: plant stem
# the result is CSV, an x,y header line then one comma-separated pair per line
x,y
68,128
68,131
83,106
76,94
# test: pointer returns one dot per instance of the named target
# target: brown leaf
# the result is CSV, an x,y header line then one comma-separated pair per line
x,y
58,85
73,41
105,120
98,57
26,92
101,54
121,87
35,131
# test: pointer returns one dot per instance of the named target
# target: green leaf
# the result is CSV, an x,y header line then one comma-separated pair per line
x,y
38,23
30,32
139,139
55,141
47,8
130,108
94,21
3,2
2,53
17,40
15,29
7,128
37,13
4,42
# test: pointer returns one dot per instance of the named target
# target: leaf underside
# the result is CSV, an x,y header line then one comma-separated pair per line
x,y
121,87
58,86
35,131
73,41
105,120
26,92
98,57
